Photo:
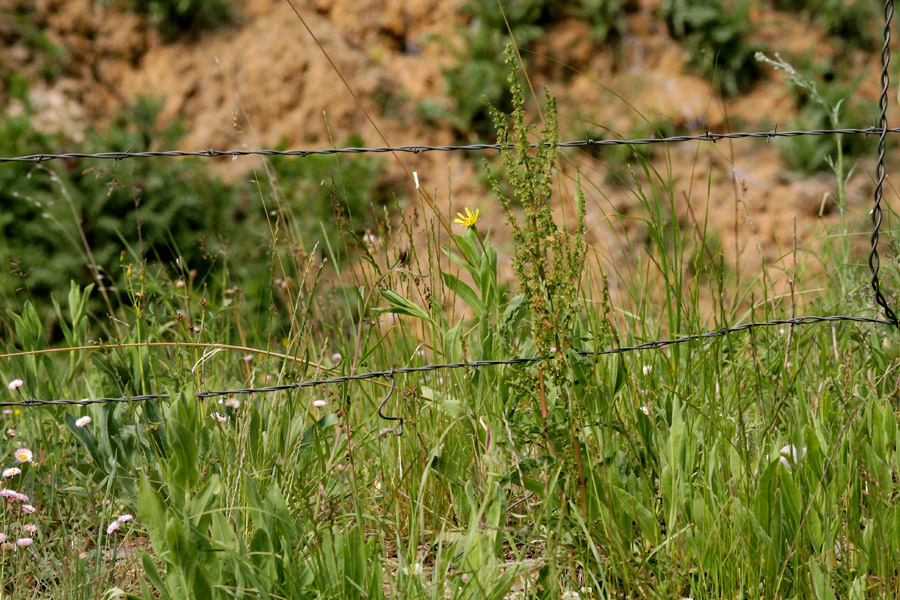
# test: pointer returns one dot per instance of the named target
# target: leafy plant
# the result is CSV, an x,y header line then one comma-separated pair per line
x,y
175,17
849,21
607,18
479,77
715,36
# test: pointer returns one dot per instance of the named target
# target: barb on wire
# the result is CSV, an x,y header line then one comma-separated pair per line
x,y
709,136
391,373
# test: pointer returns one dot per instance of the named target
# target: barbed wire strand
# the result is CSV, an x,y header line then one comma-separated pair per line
x,y
391,373
421,148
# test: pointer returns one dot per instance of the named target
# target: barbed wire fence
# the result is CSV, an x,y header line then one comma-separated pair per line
x,y
880,129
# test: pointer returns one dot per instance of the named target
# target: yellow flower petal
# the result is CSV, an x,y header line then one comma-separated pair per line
x,y
469,219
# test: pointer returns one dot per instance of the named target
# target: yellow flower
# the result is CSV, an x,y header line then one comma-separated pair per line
x,y
469,219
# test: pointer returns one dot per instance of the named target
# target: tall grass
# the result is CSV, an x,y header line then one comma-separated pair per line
x,y
761,464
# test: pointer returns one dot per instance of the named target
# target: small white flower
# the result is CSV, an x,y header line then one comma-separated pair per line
x,y
248,357
30,528
83,421
125,518
420,353
23,455
645,410
218,417
7,412
553,349
2,537
112,527
23,542
11,472
29,509
16,384
647,369
319,403
336,357
233,403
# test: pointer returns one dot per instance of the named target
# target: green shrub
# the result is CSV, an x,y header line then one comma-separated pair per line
x,y
607,18
174,17
715,37
856,22
479,76
158,209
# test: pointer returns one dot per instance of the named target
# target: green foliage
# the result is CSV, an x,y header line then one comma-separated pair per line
x,y
75,221
548,260
715,35
334,195
479,77
832,107
855,22
175,17
25,26
606,17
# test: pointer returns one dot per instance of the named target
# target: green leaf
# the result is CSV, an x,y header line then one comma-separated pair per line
x,y
820,584
185,472
401,306
202,502
153,514
153,575
465,292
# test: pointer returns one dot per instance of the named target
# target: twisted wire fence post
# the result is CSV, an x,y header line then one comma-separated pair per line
x,y
874,258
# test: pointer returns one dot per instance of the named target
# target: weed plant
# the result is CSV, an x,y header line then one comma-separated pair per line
x,y
759,464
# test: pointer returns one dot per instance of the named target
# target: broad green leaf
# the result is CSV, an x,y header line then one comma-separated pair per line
x,y
465,292
401,306
153,575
